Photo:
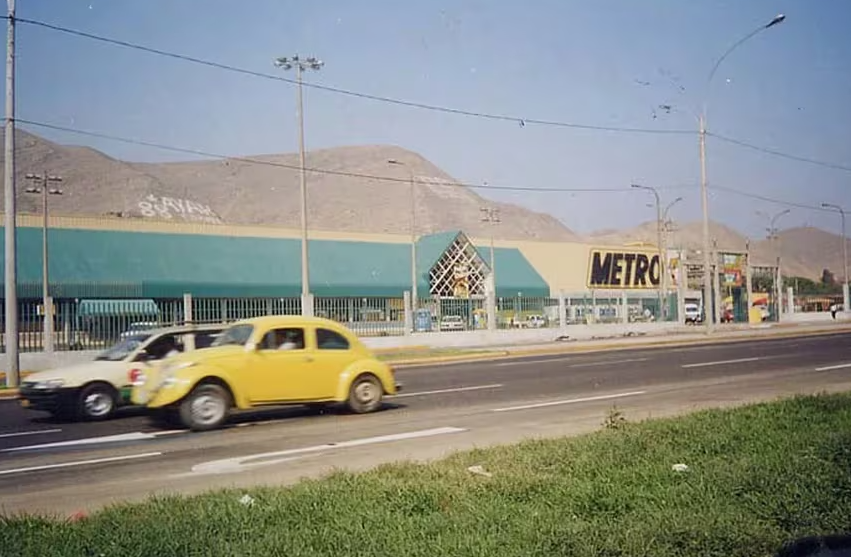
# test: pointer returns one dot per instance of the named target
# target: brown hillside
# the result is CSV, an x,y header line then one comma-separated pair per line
x,y
238,192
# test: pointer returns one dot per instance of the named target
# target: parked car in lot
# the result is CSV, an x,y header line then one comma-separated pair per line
x,y
452,323
93,390
273,360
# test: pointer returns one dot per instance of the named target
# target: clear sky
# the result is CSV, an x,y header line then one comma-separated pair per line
x,y
600,62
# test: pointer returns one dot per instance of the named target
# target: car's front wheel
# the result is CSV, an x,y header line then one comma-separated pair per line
x,y
205,408
365,394
96,402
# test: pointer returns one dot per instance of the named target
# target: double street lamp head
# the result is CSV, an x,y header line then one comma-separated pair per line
x,y
289,62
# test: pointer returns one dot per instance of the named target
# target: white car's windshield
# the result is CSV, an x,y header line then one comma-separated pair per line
x,y
124,348
237,335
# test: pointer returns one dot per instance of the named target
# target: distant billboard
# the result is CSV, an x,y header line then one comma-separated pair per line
x,y
732,269
629,268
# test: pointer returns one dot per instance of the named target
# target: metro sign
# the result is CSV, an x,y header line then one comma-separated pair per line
x,y
623,269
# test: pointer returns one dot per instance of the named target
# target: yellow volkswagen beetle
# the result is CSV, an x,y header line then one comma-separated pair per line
x,y
271,360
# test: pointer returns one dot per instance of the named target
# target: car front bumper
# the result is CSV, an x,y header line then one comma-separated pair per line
x,y
47,400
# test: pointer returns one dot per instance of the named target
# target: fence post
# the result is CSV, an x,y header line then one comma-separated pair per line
x,y
187,308
562,310
624,307
409,313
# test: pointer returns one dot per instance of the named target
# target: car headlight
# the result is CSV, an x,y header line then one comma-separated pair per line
x,y
50,384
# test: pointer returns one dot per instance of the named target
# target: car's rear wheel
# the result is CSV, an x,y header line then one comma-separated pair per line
x,y
365,394
205,408
96,402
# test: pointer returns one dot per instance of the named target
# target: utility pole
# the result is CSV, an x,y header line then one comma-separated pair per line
x,y
43,188
300,65
704,197
10,207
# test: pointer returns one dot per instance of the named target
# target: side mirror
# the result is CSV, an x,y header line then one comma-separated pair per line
x,y
143,356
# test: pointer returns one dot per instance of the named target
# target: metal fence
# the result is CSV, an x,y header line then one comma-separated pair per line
x,y
98,323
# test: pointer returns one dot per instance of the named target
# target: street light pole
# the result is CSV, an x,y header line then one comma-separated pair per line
x,y
490,215
661,266
774,238
10,209
414,293
704,198
300,65
43,188
844,254
664,228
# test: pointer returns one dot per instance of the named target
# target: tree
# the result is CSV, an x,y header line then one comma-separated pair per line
x,y
827,278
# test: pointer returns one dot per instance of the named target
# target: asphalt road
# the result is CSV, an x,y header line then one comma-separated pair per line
x,y
53,467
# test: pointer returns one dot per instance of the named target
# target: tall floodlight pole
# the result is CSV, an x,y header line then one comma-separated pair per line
x,y
43,182
774,238
300,65
10,208
662,271
491,215
704,199
841,212
413,191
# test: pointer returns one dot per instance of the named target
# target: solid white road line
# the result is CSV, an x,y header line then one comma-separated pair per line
x,y
837,366
610,362
568,401
77,463
443,391
720,363
242,463
120,438
23,433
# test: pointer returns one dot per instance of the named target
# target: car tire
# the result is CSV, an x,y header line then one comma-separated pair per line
x,y
365,394
96,402
205,408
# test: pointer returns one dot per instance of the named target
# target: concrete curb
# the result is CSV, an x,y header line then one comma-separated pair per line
x,y
614,346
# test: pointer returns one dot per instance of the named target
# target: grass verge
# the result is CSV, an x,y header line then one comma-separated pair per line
x,y
757,477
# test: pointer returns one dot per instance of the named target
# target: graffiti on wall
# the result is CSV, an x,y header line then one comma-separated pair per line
x,y
171,208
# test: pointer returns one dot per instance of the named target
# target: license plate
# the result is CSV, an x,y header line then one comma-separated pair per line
x,y
25,403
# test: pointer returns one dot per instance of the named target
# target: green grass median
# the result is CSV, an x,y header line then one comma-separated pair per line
x,y
756,476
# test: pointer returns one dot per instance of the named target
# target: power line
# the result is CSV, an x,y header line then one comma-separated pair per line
x,y
768,199
436,108
249,160
781,154
412,104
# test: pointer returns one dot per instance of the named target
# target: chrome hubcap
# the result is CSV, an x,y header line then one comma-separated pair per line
x,y
207,409
98,404
366,392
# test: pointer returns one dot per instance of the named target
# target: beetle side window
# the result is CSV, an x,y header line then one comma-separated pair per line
x,y
205,339
330,340
289,338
